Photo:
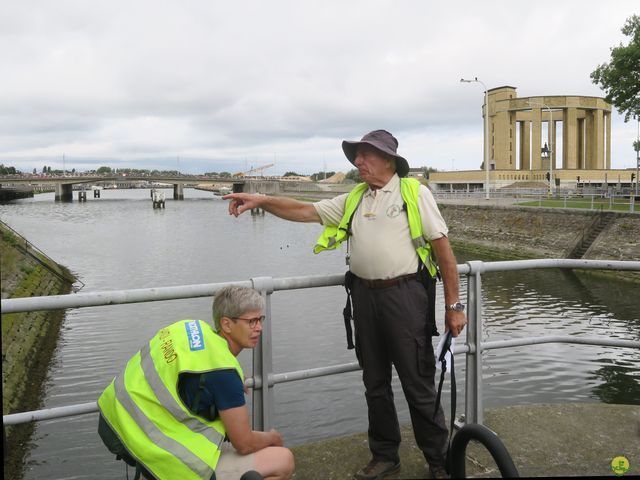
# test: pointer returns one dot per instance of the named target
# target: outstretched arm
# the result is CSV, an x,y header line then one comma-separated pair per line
x,y
454,321
243,439
286,208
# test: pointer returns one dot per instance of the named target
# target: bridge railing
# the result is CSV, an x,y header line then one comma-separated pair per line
x,y
264,379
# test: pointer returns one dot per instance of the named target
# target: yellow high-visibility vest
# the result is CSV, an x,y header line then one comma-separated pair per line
x,y
143,407
333,236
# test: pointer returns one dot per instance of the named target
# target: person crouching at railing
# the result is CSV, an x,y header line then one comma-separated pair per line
x,y
169,412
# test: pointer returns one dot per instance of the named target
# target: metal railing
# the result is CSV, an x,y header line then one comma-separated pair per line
x,y
562,198
264,379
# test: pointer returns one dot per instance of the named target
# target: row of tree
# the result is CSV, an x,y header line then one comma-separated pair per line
x,y
104,170
11,170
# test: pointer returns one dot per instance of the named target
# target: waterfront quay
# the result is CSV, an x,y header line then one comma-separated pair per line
x,y
543,440
544,306
560,440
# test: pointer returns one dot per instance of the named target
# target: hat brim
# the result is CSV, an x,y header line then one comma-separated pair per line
x,y
350,148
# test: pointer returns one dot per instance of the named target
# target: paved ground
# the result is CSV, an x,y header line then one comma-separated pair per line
x,y
543,440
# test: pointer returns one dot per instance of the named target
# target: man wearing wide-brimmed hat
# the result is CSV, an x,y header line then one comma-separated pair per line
x,y
396,245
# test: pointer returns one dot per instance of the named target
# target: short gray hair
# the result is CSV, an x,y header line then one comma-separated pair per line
x,y
233,301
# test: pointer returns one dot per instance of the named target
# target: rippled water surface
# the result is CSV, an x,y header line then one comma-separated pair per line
x,y
119,242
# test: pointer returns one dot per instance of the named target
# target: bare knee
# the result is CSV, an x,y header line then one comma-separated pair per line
x,y
275,463
288,462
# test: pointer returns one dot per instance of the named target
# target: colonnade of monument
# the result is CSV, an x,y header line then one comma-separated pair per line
x,y
515,131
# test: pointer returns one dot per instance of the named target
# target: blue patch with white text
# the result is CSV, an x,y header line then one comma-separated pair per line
x,y
194,334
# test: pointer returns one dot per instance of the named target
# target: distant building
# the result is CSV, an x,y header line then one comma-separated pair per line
x,y
295,178
416,173
520,151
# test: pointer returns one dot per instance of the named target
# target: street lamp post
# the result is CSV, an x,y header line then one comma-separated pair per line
x,y
486,133
540,104
638,157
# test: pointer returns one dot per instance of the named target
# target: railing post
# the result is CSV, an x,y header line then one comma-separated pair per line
x,y
262,393
473,388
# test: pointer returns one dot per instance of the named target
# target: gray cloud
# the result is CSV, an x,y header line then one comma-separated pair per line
x,y
249,81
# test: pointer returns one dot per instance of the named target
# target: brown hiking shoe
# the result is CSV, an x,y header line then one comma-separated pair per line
x,y
438,471
376,469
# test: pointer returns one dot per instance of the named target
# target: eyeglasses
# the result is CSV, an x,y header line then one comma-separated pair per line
x,y
252,321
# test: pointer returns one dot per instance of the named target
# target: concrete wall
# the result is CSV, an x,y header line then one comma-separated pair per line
x,y
518,232
619,241
28,339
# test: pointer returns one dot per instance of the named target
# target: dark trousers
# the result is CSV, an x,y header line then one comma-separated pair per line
x,y
391,327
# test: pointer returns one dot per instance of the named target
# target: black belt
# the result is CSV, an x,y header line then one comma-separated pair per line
x,y
388,282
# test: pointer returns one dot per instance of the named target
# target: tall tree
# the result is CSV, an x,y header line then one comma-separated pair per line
x,y
620,78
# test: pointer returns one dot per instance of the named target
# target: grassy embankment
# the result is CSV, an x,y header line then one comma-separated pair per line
x,y
28,339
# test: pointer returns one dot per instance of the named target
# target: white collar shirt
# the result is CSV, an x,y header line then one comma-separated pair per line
x,y
380,246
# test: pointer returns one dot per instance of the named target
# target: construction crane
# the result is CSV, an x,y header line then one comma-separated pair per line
x,y
258,170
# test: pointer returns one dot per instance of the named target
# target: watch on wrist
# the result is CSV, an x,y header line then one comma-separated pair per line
x,y
456,307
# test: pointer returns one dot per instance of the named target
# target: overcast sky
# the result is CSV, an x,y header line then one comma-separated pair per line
x,y
207,85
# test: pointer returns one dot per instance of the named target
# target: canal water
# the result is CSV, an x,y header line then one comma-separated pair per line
x,y
120,242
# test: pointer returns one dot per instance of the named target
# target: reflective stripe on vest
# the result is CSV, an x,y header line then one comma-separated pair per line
x,y
143,407
170,403
333,236
156,436
410,190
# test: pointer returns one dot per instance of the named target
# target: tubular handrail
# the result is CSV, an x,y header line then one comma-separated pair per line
x,y
263,390
274,379
139,295
118,297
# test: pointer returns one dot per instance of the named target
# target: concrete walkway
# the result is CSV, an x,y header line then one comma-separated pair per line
x,y
543,440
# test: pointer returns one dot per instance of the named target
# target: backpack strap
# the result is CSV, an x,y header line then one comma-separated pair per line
x,y
443,359
349,277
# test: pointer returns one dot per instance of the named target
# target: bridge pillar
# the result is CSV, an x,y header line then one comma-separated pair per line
x,y
178,191
64,192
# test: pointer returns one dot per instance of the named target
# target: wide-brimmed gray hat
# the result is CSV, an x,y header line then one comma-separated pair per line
x,y
383,141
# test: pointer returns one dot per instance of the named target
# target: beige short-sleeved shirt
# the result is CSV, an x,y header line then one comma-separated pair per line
x,y
381,246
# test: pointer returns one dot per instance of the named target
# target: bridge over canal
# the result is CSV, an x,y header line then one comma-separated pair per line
x,y
64,185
